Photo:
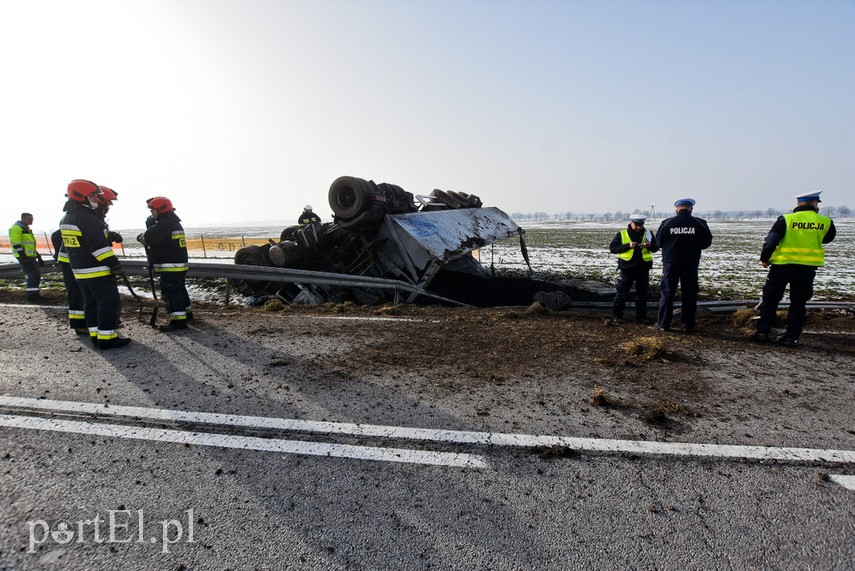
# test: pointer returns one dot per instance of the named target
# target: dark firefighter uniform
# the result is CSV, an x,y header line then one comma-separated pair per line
x,y
634,265
23,243
93,263
167,250
76,315
681,239
793,249
307,217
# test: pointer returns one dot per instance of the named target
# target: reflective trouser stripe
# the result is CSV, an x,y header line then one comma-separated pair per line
x,y
108,334
177,315
93,332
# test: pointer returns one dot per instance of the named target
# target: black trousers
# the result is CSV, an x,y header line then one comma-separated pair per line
x,y
101,305
800,279
640,277
34,275
687,277
76,315
173,289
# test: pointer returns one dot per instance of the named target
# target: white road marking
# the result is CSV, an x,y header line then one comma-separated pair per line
x,y
759,453
247,442
847,482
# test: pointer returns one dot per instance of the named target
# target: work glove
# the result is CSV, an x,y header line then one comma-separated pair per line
x,y
41,261
141,239
114,237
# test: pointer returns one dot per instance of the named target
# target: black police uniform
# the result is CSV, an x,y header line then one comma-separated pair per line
x,y
681,239
166,244
635,271
799,277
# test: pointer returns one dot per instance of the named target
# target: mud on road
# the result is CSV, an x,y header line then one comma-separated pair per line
x,y
531,370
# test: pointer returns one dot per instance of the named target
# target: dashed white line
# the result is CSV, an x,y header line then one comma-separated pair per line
x,y
758,453
246,442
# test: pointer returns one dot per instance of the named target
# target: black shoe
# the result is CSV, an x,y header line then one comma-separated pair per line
x,y
788,341
688,330
662,328
760,336
94,340
190,316
642,320
173,326
113,343
617,318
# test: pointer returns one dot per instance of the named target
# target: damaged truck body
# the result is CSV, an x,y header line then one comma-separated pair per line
x,y
383,231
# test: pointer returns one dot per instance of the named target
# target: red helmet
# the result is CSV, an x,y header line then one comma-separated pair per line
x,y
107,196
161,204
80,189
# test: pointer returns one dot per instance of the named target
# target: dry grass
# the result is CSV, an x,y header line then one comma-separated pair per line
x,y
644,348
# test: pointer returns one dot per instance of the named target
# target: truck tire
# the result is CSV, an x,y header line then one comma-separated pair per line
x,y
253,256
350,196
288,233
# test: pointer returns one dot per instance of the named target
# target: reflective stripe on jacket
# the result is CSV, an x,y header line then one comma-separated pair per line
x,y
802,241
23,241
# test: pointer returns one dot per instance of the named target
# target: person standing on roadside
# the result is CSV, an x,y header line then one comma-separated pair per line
x,y
681,239
90,254
23,243
167,247
793,249
633,246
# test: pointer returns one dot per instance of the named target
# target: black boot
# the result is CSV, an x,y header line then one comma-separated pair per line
x,y
113,343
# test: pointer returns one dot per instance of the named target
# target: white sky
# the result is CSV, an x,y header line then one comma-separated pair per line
x,y
245,110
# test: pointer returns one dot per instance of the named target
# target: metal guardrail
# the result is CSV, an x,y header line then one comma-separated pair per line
x,y
289,275
256,273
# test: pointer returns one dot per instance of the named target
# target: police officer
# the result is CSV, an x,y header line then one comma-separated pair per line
x,y
307,217
90,254
681,239
166,244
633,246
23,243
793,249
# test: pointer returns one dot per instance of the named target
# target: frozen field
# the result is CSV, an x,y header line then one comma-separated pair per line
x,y
730,268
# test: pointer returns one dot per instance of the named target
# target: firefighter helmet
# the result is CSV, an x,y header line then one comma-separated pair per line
x,y
107,196
80,189
161,204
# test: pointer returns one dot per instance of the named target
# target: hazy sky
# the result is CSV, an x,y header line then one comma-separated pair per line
x,y
245,110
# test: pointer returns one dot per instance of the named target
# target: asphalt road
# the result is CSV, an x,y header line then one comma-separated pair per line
x,y
160,489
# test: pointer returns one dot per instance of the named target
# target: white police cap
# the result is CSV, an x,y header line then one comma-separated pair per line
x,y
809,196
637,218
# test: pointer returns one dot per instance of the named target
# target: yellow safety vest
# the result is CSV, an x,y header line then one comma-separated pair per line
x,y
802,242
645,253
24,240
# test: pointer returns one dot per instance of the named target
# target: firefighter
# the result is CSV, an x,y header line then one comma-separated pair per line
x,y
95,266
793,249
681,239
308,217
633,246
166,246
76,315
23,243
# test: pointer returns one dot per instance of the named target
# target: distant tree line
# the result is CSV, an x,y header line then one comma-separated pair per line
x,y
717,215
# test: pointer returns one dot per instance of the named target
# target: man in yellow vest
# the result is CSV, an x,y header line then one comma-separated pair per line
x,y
23,243
793,249
633,246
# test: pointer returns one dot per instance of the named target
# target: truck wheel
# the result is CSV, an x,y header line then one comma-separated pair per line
x,y
288,233
249,256
350,196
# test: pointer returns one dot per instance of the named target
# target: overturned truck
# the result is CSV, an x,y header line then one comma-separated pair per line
x,y
382,231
